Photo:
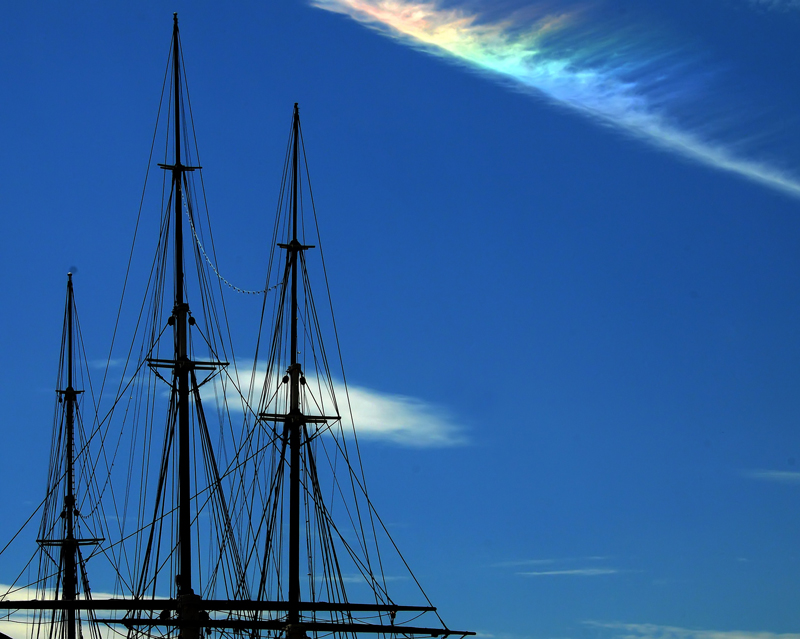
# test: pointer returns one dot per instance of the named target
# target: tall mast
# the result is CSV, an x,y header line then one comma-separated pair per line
x,y
295,421
68,545
180,321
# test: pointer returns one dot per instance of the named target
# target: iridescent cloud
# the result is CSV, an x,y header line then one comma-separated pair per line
x,y
596,74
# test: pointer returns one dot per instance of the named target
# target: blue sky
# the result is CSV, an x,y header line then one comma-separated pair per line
x,y
600,329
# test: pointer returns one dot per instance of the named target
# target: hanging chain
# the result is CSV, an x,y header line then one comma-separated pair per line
x,y
214,268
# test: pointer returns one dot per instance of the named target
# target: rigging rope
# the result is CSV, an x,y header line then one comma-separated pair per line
x,y
214,268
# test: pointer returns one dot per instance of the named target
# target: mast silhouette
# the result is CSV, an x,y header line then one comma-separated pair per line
x,y
69,547
181,370
295,420
188,613
182,363
70,561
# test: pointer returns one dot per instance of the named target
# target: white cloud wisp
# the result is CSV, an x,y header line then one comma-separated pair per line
x,y
778,476
574,572
378,416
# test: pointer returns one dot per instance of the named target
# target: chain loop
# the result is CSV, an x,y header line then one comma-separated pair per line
x,y
214,268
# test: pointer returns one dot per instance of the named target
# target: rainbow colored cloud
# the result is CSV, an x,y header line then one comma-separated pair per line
x,y
596,75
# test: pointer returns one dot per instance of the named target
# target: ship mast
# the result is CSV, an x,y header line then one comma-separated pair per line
x,y
295,422
302,467
181,370
180,315
68,546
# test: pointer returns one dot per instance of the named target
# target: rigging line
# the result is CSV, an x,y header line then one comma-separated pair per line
x,y
326,426
330,557
139,390
315,323
278,322
165,514
363,568
136,226
214,468
223,374
155,286
12,588
383,526
249,506
84,362
273,243
366,572
329,379
162,476
240,462
245,487
154,339
275,503
28,520
214,268
207,299
123,391
339,348
205,204
89,464
337,485
310,538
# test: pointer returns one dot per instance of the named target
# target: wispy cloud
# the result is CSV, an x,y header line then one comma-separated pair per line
x,y
776,5
102,364
518,563
780,476
500,635
579,572
524,562
402,420
605,76
378,416
653,631
561,567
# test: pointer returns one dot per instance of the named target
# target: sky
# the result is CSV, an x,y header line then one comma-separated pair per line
x,y
562,239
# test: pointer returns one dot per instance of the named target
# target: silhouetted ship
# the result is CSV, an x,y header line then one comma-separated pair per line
x,y
210,499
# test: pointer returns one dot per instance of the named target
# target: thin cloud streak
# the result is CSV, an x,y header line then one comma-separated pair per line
x,y
545,562
776,5
779,476
500,635
579,572
602,79
524,562
103,364
653,631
